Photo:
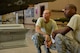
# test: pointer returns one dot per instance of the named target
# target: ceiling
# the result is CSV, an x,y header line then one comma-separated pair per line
x,y
7,6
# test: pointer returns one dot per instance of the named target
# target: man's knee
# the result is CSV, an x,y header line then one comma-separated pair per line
x,y
35,36
58,38
35,39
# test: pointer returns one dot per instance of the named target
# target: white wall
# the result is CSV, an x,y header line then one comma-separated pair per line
x,y
28,20
37,7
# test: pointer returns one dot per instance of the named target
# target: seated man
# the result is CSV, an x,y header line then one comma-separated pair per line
x,y
64,43
44,27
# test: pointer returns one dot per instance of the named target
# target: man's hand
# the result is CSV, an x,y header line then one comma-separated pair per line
x,y
48,44
53,35
48,41
47,38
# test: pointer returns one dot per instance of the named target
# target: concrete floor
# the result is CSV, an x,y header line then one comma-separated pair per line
x,y
30,48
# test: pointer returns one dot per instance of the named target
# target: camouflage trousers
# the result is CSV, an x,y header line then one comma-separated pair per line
x,y
38,40
65,44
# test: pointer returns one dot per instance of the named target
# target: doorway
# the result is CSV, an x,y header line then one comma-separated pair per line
x,y
42,8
